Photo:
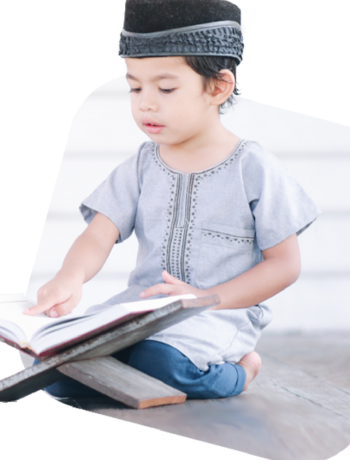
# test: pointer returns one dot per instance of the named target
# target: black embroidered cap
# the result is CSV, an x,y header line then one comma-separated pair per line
x,y
181,28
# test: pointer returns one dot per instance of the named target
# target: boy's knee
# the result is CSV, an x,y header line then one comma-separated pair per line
x,y
156,359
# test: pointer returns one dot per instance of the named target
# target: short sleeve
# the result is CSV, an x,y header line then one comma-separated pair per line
x,y
279,204
117,198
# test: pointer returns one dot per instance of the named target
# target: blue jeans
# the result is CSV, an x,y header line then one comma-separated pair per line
x,y
169,365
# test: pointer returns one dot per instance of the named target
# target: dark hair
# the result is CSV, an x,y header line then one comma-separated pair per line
x,y
209,68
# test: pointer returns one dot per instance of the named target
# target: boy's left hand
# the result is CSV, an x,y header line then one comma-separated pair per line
x,y
172,286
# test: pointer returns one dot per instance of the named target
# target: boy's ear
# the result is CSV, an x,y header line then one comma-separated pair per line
x,y
221,90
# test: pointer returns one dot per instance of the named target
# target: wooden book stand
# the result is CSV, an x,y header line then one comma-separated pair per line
x,y
91,364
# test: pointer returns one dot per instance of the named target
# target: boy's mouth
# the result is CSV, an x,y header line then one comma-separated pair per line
x,y
152,128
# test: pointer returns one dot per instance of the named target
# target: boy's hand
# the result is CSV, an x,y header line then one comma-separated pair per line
x,y
171,286
56,298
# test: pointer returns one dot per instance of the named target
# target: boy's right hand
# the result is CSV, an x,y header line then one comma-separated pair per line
x,y
58,297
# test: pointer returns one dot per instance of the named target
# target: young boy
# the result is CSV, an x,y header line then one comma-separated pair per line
x,y
213,214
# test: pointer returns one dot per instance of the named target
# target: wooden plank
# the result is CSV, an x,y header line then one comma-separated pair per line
x,y
30,380
122,383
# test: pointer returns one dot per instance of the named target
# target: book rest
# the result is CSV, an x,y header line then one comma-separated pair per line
x,y
91,364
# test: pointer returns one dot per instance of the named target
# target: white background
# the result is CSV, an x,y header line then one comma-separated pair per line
x,y
53,55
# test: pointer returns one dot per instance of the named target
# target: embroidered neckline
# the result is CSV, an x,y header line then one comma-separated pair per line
x,y
234,152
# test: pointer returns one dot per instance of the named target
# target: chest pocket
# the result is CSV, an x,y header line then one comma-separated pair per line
x,y
225,252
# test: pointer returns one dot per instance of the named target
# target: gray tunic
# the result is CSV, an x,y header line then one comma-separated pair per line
x,y
204,228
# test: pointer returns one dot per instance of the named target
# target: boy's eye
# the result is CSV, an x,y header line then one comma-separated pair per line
x,y
165,91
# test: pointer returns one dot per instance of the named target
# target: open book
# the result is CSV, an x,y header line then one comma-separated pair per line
x,y
44,336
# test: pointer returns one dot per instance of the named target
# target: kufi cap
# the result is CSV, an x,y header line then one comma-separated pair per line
x,y
181,28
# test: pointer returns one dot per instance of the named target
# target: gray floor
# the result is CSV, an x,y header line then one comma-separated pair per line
x,y
297,408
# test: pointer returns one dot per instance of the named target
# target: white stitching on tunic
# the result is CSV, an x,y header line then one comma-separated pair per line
x,y
227,237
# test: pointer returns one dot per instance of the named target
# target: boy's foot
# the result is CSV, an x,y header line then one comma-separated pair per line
x,y
251,363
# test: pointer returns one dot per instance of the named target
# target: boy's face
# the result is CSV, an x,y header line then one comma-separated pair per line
x,y
167,98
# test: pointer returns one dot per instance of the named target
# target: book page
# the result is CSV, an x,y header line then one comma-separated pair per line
x,y
13,312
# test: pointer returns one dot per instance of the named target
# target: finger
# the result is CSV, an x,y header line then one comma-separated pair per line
x,y
47,301
63,308
42,306
165,289
170,279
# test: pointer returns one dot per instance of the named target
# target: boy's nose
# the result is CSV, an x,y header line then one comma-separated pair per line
x,y
147,102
